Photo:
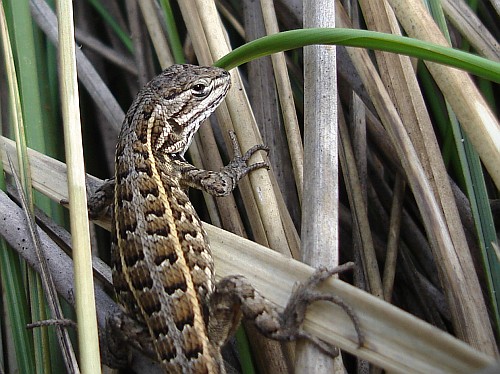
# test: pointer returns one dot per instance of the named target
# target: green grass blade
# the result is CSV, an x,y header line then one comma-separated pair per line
x,y
122,35
244,350
11,269
16,307
172,33
29,131
471,175
287,40
26,65
483,219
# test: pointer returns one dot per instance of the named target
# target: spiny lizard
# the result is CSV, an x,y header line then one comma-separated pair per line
x,y
163,270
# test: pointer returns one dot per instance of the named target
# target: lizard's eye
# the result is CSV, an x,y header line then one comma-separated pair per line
x,y
200,90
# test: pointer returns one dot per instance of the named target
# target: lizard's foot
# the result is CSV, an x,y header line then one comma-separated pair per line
x,y
239,161
123,331
223,182
305,294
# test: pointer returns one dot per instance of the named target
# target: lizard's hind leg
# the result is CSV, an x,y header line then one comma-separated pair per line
x,y
235,297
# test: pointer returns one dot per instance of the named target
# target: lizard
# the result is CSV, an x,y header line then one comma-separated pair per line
x,y
163,270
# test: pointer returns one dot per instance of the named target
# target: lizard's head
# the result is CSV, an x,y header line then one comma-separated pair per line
x,y
180,98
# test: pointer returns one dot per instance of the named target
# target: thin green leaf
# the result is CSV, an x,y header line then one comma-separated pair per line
x,y
172,33
11,270
122,35
244,350
16,307
286,40
468,163
47,285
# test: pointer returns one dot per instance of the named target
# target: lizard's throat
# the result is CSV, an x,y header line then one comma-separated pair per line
x,y
174,139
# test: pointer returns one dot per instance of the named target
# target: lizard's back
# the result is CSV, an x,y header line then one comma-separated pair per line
x,y
163,267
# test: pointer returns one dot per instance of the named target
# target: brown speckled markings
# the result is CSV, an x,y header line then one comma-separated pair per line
x,y
162,265
163,268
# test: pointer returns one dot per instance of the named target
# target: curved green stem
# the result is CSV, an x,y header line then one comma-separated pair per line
x,y
287,40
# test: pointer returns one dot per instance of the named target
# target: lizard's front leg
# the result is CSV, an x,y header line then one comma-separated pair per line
x,y
222,183
216,183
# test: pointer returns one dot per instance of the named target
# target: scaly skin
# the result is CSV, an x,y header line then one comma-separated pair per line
x,y
163,270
